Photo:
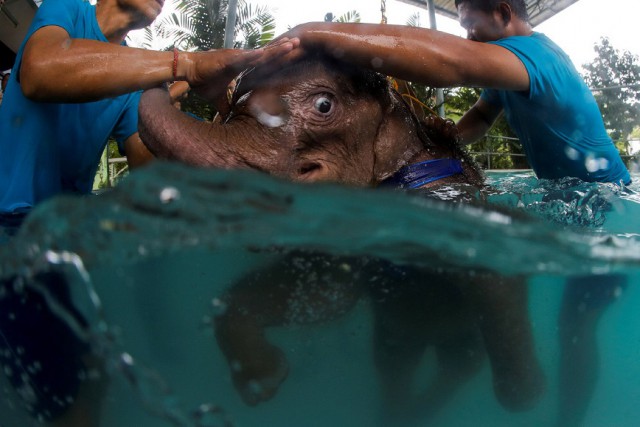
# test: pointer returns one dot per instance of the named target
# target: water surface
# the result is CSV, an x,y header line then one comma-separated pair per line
x,y
149,262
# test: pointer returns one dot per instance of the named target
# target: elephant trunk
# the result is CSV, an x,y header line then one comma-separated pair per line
x,y
170,134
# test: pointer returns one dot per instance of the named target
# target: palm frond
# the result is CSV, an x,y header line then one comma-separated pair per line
x,y
414,20
351,16
256,24
200,25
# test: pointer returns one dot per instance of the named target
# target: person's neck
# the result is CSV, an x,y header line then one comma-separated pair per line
x,y
518,27
114,22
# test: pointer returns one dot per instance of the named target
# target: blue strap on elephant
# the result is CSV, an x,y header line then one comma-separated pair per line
x,y
421,173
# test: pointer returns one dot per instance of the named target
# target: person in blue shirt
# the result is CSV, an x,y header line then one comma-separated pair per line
x,y
74,84
532,81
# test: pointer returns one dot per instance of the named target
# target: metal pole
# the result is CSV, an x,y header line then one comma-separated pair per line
x,y
434,26
229,30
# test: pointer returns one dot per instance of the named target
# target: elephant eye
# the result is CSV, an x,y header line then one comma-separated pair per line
x,y
323,105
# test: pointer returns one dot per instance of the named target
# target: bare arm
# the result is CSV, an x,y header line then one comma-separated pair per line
x,y
57,68
476,122
137,153
421,55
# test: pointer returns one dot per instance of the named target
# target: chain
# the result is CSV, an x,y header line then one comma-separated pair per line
x,y
383,10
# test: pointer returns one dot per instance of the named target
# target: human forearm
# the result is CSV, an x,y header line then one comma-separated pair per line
x,y
415,54
470,130
476,122
87,70
57,68
419,55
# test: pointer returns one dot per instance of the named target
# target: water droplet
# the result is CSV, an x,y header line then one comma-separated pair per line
x,y
338,52
219,306
345,267
236,366
269,120
617,292
572,153
377,62
591,164
169,194
255,387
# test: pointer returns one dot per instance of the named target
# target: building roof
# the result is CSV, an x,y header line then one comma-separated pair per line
x,y
539,10
15,18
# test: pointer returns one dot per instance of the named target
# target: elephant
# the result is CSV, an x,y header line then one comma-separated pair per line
x,y
317,120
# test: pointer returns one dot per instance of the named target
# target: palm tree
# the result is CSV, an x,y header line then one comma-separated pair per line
x,y
200,25
351,16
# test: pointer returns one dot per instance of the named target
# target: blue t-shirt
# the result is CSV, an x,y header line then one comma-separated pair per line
x,y
50,148
557,120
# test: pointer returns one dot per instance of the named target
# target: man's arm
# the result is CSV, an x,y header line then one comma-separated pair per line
x,y
57,68
420,55
475,123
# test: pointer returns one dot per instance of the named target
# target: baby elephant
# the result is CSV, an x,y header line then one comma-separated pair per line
x,y
322,120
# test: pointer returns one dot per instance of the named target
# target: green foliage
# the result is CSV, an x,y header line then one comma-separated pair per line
x,y
351,16
615,76
109,172
200,25
500,140
256,24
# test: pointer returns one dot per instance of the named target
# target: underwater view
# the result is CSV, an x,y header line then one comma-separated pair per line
x,y
223,298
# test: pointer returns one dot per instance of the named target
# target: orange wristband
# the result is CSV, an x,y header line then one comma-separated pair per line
x,y
175,64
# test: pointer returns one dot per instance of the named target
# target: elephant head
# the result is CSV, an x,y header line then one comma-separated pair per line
x,y
317,119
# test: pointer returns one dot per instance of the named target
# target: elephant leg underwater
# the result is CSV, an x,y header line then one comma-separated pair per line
x,y
301,288
412,313
501,305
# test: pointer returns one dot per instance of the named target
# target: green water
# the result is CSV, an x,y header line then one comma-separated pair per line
x,y
162,249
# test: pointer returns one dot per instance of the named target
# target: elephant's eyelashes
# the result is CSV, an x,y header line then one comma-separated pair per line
x,y
323,105
308,167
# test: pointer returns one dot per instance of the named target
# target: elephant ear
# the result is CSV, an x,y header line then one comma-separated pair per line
x,y
399,138
407,93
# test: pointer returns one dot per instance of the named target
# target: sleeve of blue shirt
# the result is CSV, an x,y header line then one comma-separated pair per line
x,y
491,97
60,13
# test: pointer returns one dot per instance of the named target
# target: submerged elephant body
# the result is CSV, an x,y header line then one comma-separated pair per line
x,y
321,120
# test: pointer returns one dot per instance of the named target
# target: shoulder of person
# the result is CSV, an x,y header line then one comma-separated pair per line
x,y
51,8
